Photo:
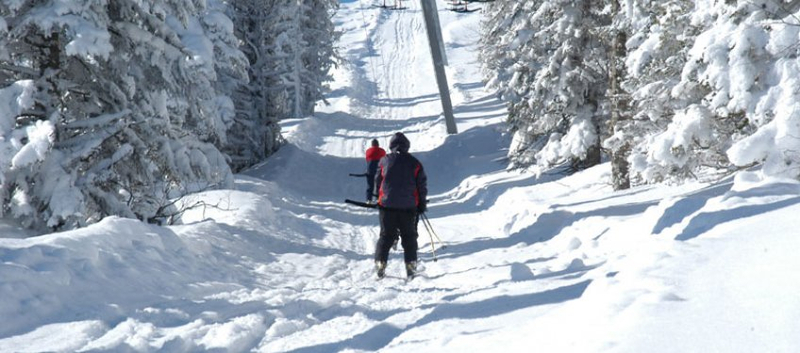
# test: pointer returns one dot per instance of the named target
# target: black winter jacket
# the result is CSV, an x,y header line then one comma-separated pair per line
x,y
401,180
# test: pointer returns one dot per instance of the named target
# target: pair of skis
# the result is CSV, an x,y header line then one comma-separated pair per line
x,y
425,222
422,217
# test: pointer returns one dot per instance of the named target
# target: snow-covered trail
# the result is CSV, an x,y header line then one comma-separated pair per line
x,y
549,263
387,74
386,82
389,65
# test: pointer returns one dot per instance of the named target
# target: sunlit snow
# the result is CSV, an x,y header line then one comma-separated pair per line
x,y
548,263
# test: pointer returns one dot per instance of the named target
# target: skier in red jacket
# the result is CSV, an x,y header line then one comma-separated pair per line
x,y
374,155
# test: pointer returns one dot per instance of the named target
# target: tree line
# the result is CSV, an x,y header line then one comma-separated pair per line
x,y
666,90
117,107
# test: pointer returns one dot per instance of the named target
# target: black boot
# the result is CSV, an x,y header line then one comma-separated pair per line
x,y
380,266
411,269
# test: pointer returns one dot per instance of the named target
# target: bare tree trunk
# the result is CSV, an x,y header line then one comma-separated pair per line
x,y
298,66
620,101
594,153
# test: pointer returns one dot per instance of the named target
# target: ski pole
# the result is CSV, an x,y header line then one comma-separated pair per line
x,y
429,226
441,243
430,233
433,247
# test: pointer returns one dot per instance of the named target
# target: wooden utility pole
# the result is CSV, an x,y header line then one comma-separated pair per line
x,y
439,39
437,53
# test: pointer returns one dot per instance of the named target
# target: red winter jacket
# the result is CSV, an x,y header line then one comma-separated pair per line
x,y
375,153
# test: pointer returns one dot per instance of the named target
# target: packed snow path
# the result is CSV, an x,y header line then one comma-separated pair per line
x,y
550,264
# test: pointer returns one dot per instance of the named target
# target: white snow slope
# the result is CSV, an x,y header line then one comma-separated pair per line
x,y
548,264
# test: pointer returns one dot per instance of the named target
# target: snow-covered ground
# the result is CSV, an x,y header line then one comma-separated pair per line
x,y
549,264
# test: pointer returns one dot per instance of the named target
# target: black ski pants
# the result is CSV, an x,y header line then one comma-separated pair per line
x,y
370,186
394,224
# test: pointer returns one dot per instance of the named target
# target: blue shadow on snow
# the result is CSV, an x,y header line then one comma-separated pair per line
x,y
689,205
382,334
707,220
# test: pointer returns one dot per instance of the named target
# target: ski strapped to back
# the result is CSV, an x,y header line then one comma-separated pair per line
x,y
361,204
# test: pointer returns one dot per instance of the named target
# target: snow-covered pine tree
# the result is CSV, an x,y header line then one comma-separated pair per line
x,y
301,52
115,111
507,39
656,48
661,35
647,42
289,45
505,30
230,63
255,133
560,75
319,32
746,62
712,82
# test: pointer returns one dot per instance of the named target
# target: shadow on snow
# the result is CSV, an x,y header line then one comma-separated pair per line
x,y
382,334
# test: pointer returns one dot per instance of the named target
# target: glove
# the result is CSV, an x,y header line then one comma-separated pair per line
x,y
422,207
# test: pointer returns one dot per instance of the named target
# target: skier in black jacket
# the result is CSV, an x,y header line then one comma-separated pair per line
x,y
402,194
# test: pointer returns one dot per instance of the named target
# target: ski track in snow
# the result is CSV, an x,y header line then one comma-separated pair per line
x,y
548,263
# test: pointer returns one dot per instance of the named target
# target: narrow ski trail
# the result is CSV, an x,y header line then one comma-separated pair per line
x,y
486,269
387,72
